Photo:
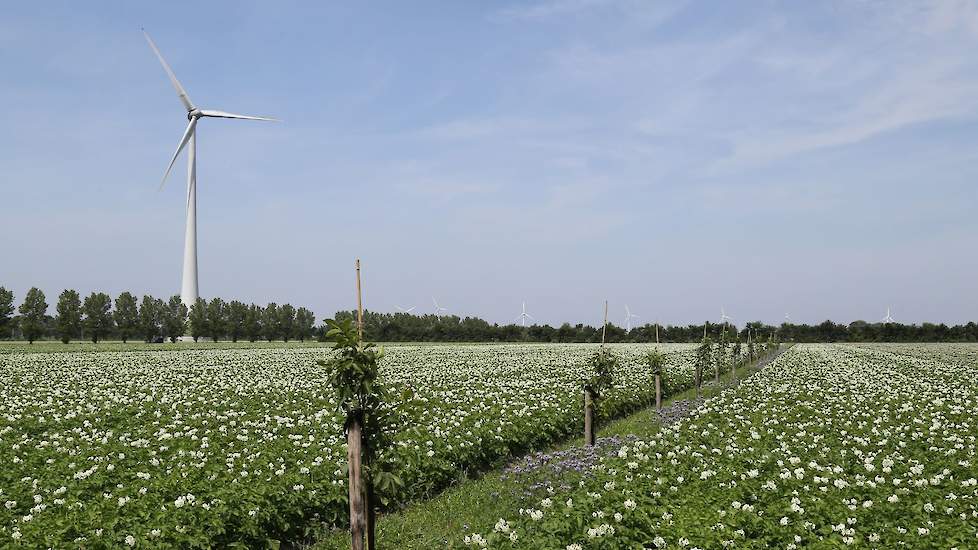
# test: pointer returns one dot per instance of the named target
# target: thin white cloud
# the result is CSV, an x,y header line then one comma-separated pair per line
x,y
551,8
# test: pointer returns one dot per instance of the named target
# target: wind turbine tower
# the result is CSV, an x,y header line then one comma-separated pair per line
x,y
628,318
524,316
887,320
188,289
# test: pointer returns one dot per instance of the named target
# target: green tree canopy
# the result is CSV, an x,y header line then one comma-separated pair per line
x,y
175,318
69,315
304,323
252,323
198,319
126,316
32,313
286,321
270,322
150,318
98,320
6,311
216,318
236,313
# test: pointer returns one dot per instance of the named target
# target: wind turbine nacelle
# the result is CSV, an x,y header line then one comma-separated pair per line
x,y
195,113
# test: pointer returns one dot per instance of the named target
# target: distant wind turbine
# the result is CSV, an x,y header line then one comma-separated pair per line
x,y
628,318
438,308
188,289
787,318
724,318
887,320
524,316
402,310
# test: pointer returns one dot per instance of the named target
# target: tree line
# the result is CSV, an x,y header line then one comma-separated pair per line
x,y
407,327
98,317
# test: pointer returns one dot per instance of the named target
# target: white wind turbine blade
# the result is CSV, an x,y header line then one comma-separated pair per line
x,y
222,114
183,143
184,98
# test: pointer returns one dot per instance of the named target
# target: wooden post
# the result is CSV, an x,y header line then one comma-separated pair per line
x,y
658,391
369,504
366,512
353,453
658,376
604,327
588,417
359,305
720,357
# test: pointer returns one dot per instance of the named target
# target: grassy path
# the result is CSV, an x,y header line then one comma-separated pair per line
x,y
474,503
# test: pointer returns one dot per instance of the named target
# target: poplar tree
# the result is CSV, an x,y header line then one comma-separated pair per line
x,y
216,318
252,323
236,314
126,316
6,311
198,319
175,318
286,321
270,321
304,322
32,313
69,315
98,320
150,317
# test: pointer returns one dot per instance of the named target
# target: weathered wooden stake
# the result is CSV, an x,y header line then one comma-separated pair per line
x,y
354,435
604,327
371,515
359,305
589,436
658,391
658,376
364,513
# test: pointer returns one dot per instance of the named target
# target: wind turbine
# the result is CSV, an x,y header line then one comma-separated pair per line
x,y
887,320
724,318
438,308
628,318
524,316
787,318
188,290
402,310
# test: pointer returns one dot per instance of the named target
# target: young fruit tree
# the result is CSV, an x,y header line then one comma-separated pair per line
x,y
704,356
721,356
603,365
737,348
353,374
656,360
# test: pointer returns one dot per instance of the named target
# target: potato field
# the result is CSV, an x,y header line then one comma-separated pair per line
x,y
196,448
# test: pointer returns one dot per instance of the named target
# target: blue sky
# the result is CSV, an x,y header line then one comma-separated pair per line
x,y
818,159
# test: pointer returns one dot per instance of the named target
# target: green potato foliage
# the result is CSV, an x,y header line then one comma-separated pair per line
x,y
353,373
826,447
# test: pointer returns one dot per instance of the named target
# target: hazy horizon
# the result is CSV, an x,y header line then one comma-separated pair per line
x,y
817,160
